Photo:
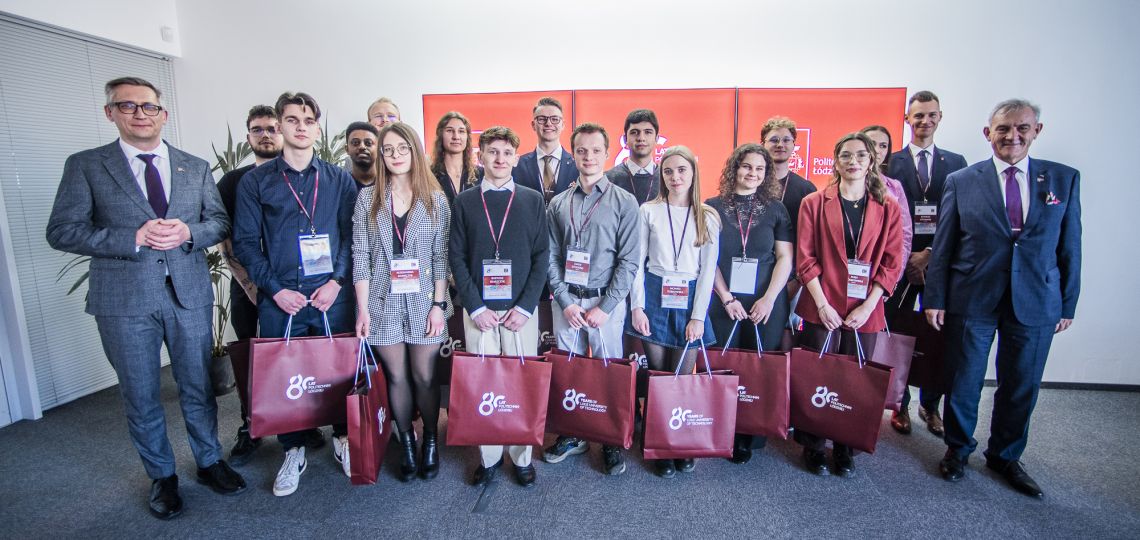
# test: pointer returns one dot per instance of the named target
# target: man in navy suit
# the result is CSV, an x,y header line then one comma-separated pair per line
x,y
549,169
1006,259
922,168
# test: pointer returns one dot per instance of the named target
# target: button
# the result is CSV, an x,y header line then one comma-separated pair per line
x,y
160,261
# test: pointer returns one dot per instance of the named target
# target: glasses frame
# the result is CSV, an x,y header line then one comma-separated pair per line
x,y
129,107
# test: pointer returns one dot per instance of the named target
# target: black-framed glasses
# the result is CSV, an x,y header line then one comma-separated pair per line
x,y
259,131
390,150
129,107
551,120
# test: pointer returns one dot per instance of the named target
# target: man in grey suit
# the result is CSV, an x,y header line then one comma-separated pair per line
x,y
145,213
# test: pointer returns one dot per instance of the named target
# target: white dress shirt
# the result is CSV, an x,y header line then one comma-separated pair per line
x,y
486,186
138,166
914,150
636,169
557,153
1022,182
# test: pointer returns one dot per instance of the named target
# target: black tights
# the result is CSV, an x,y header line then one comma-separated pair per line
x,y
661,358
420,360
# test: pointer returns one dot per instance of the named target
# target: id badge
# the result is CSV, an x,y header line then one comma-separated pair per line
x,y
925,218
858,279
674,293
577,267
405,276
742,279
496,279
316,254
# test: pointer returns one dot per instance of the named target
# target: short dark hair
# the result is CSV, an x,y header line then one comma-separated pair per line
x,y
638,116
259,111
922,96
298,98
547,102
498,133
112,84
589,127
361,126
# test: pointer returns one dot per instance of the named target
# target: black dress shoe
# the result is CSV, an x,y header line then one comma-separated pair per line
x,y
484,475
741,449
816,462
685,465
165,503
1016,476
844,461
244,448
408,461
952,467
429,460
665,468
221,478
525,475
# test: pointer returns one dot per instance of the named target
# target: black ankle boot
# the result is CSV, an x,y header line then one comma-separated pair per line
x,y
408,464
429,460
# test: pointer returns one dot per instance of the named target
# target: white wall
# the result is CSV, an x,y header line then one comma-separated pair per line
x,y
1072,58
138,23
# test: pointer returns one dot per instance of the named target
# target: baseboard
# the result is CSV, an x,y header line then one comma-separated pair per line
x,y
1103,387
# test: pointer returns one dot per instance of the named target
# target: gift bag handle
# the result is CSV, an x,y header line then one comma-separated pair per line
x,y
289,327
364,358
704,352
859,354
755,328
601,338
518,347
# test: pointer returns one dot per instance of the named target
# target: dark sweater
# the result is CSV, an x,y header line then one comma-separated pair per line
x,y
794,192
644,188
525,243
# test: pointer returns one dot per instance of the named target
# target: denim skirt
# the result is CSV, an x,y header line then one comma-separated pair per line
x,y
667,325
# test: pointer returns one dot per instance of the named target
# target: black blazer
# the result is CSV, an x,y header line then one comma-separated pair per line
x,y
901,167
527,173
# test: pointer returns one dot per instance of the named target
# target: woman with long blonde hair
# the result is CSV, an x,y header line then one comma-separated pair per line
x,y
400,235
674,280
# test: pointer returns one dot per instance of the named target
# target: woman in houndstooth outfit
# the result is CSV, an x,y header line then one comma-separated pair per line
x,y
399,246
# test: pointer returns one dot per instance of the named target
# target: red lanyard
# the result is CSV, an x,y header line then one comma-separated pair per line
x,y
316,187
746,231
677,247
578,231
395,224
487,212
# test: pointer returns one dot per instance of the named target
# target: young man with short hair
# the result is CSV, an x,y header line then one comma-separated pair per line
x,y
594,244
499,253
382,112
549,169
361,141
638,174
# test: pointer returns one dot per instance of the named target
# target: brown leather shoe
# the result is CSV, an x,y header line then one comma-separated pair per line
x,y
900,420
932,419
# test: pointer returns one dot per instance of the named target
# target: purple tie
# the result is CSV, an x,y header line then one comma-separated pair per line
x,y
154,192
923,171
1013,201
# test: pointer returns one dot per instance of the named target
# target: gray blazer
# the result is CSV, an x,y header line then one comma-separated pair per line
x,y
99,208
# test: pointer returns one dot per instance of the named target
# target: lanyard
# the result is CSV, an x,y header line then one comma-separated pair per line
x,y
745,232
578,230
677,247
487,212
633,185
787,179
850,230
395,224
316,187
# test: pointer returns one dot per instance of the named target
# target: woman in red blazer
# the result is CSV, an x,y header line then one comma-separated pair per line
x,y
849,240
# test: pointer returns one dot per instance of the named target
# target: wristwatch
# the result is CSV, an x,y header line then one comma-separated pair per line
x,y
441,305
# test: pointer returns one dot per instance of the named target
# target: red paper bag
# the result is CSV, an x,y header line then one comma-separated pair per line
x,y
368,421
894,350
239,359
835,398
497,400
927,364
763,391
592,399
299,383
690,416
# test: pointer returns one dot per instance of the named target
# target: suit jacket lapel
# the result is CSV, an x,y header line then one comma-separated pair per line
x,y
909,176
833,213
416,216
1037,192
179,179
120,171
567,171
384,225
937,171
992,193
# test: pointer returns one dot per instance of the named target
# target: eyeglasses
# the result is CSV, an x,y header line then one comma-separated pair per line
x,y
129,107
260,131
551,120
388,117
848,157
785,141
390,151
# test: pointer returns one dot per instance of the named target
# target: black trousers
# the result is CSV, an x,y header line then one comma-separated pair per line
x,y
902,301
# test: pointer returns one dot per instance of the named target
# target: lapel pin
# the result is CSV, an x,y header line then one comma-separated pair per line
x,y
180,169
1040,178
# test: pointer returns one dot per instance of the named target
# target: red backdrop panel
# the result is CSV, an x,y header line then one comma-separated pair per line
x,y
700,119
510,109
822,116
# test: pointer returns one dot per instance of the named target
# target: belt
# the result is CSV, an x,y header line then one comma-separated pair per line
x,y
586,292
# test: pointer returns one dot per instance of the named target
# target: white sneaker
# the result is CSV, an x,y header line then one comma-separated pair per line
x,y
289,476
340,454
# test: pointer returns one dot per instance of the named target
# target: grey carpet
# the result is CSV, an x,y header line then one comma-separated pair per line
x,y
74,473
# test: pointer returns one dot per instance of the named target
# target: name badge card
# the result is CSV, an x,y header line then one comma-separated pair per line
x,y
577,267
925,218
405,276
858,279
742,279
496,279
316,254
675,293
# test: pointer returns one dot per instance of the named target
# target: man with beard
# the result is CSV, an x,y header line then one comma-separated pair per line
x,y
638,174
361,140
264,137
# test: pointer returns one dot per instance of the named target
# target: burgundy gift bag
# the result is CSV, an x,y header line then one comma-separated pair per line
x,y
927,364
690,416
894,350
838,397
298,383
368,418
497,400
762,395
238,352
592,399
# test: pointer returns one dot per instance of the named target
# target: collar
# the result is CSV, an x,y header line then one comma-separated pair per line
x,y
635,168
282,166
486,186
601,186
163,151
915,149
557,153
1022,166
